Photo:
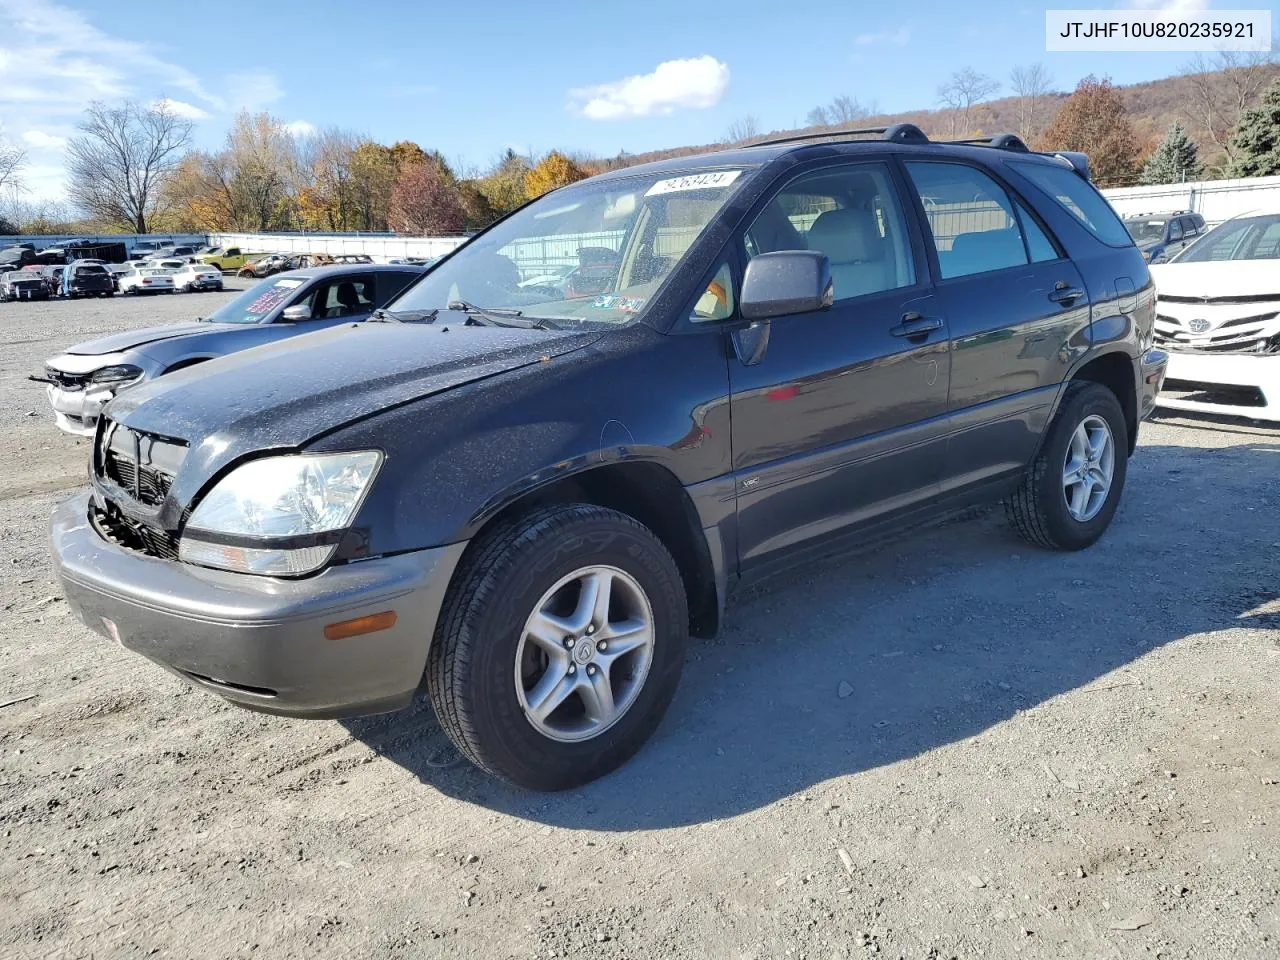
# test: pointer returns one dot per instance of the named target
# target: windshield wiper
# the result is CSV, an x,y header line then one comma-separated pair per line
x,y
402,316
496,317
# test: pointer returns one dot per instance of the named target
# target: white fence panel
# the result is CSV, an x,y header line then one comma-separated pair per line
x,y
1215,200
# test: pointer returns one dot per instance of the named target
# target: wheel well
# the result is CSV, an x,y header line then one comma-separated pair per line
x,y
1115,372
653,496
183,364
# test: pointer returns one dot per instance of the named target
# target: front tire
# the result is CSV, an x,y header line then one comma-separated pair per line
x,y
1069,495
560,646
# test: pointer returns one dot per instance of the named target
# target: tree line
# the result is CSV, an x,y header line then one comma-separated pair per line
x,y
132,167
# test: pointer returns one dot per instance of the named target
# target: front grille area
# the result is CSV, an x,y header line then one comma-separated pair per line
x,y
1220,393
149,485
142,465
1256,334
116,528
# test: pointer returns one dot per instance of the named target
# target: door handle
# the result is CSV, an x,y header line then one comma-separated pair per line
x,y
916,325
1065,295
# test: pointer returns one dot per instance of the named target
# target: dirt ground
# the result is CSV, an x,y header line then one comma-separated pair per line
x,y
959,746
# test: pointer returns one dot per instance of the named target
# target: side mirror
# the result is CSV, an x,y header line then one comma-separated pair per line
x,y
299,311
785,282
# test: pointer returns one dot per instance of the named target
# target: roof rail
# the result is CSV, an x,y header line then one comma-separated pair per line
x,y
898,132
1001,141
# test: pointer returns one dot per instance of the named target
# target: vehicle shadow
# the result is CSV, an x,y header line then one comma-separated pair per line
x,y
859,662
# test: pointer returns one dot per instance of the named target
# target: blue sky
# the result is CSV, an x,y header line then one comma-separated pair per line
x,y
470,79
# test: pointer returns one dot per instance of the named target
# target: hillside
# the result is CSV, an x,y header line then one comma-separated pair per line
x,y
1152,106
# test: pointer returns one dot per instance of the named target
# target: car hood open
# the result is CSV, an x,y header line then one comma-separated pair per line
x,y
281,395
132,339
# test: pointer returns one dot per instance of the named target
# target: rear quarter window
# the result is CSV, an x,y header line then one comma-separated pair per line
x,y
1079,198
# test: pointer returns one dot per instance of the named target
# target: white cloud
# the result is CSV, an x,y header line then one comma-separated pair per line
x,y
895,38
43,141
695,83
180,108
252,90
301,128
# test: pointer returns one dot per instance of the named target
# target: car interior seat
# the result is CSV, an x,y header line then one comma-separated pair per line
x,y
859,256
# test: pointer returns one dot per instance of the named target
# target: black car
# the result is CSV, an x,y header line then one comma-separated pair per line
x,y
1160,235
82,279
23,285
526,499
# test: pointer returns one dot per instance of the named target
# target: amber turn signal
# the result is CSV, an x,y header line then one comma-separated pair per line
x,y
360,625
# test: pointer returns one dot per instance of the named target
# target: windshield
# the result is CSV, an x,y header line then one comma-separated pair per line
x,y
593,252
1145,231
1245,238
258,301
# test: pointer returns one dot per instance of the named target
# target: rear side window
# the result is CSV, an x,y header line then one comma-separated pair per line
x,y
971,218
1079,198
1175,230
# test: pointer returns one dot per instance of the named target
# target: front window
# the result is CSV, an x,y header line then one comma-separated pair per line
x,y
1145,231
256,302
594,252
1245,238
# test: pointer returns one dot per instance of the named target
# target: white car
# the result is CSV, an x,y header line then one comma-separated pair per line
x,y
146,279
1218,315
196,276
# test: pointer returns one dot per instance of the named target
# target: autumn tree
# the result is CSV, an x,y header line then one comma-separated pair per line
x,y
1175,160
503,186
118,163
324,199
424,203
1093,120
1031,84
962,92
479,212
1255,148
373,173
554,170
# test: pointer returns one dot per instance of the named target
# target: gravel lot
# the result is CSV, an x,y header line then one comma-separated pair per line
x,y
959,746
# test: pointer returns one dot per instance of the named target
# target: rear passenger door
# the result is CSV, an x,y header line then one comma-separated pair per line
x,y
1014,303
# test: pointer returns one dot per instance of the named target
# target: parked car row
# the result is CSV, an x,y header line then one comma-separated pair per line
x,y
266,265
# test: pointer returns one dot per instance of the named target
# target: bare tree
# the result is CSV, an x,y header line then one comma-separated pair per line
x,y
1031,84
744,128
12,160
121,158
1222,89
841,111
964,90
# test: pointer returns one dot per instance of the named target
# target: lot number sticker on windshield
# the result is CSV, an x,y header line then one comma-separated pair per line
x,y
696,181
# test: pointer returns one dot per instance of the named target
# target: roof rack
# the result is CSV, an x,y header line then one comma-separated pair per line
x,y
1001,141
899,132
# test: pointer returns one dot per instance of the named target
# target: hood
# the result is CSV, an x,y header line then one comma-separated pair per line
x,y
281,395
1218,278
131,339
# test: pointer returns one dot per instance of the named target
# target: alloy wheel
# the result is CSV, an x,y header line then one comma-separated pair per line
x,y
1089,468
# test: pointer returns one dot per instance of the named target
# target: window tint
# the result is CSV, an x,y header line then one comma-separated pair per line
x,y
390,284
852,215
1039,245
1079,198
1188,226
1175,230
716,302
971,218
343,297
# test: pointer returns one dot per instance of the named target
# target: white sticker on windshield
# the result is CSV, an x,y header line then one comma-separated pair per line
x,y
695,181
288,284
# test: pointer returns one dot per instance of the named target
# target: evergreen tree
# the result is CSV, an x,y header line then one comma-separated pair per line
x,y
1176,160
1257,140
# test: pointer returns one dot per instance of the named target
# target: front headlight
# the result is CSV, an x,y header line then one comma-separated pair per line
x,y
279,515
121,373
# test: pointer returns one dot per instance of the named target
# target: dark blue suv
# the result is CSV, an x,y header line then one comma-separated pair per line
x,y
524,493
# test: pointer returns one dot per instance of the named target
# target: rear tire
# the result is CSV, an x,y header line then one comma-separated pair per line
x,y
1068,496
486,666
